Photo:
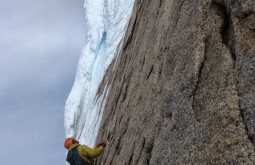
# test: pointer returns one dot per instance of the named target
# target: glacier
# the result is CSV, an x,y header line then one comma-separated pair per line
x,y
106,22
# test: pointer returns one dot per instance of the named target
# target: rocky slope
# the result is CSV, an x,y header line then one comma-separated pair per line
x,y
183,87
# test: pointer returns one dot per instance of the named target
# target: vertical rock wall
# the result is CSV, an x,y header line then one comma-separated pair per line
x,y
183,87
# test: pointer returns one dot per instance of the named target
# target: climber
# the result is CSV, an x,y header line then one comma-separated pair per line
x,y
82,154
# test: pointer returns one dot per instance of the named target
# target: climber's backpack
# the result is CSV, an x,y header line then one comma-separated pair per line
x,y
74,158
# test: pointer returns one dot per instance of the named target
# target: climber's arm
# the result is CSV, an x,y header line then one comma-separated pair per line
x,y
90,152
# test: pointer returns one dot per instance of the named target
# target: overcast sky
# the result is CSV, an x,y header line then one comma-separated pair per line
x,y
40,44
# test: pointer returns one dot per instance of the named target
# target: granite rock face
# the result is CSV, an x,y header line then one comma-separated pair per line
x,y
182,90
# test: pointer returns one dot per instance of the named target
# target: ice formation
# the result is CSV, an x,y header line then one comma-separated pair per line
x,y
106,22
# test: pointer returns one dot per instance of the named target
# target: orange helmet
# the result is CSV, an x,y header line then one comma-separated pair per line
x,y
69,142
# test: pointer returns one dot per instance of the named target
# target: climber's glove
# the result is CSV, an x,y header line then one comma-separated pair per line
x,y
102,143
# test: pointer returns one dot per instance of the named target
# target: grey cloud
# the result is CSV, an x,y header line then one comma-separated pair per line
x,y
40,45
